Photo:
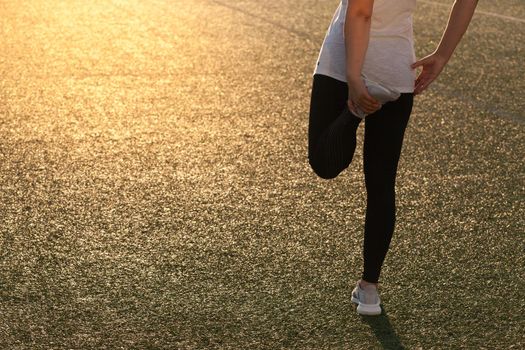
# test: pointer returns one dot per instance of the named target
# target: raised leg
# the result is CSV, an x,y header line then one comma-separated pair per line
x,y
332,128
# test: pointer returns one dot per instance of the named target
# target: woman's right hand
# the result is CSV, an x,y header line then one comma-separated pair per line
x,y
432,65
359,98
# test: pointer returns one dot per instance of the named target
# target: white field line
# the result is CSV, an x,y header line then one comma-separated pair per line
x,y
486,13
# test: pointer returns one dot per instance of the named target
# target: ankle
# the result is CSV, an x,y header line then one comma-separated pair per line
x,y
364,283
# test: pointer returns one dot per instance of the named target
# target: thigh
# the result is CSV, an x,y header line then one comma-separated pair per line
x,y
328,100
384,133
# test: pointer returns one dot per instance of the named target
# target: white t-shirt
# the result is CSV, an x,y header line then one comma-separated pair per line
x,y
390,49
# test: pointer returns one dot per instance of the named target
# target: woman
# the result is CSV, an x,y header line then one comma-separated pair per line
x,y
366,68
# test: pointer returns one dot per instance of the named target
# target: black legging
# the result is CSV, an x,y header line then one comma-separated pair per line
x,y
331,146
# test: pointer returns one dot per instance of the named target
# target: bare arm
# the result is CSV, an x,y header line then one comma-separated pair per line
x,y
458,22
357,34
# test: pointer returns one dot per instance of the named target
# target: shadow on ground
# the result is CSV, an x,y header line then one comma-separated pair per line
x,y
383,330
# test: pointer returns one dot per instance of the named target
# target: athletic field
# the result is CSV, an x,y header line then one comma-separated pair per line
x,y
156,194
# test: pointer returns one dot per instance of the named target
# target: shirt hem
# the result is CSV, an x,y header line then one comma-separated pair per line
x,y
330,74
401,89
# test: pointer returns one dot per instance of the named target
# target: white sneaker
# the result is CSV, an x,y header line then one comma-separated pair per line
x,y
380,92
367,300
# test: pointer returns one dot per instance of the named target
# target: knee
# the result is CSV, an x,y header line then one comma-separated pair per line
x,y
323,172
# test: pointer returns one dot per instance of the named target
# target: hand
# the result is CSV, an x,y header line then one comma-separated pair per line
x,y
359,98
432,65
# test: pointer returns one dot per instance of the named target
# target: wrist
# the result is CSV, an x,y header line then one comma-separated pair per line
x,y
353,78
441,55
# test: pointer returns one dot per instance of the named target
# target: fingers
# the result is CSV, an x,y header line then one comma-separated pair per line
x,y
352,107
422,86
422,62
369,106
360,99
432,66
418,63
367,103
422,82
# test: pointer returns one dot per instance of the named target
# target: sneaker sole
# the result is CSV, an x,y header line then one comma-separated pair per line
x,y
367,310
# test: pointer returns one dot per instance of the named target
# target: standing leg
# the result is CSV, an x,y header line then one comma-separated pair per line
x,y
332,128
384,132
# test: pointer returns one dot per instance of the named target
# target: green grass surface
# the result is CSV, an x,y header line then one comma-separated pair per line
x,y
155,192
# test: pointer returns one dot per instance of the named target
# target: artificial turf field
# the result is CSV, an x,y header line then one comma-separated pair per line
x,y
155,190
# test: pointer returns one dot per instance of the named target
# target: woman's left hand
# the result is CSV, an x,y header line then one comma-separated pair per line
x,y
432,65
358,97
